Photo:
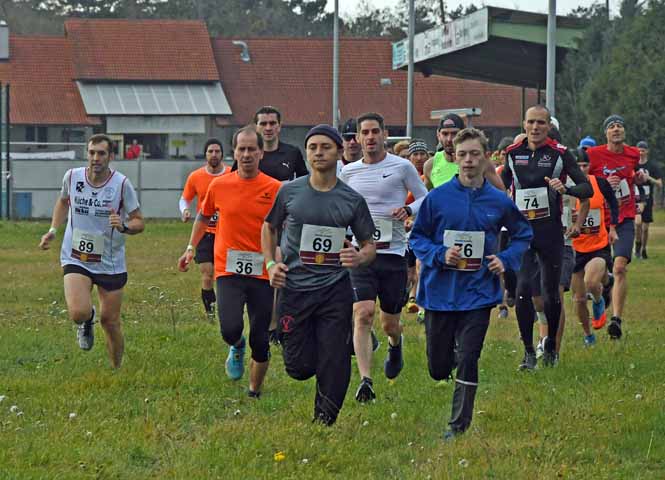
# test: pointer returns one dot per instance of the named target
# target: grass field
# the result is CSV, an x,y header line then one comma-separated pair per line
x,y
170,412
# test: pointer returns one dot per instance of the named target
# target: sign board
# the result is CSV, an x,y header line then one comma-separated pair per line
x,y
462,33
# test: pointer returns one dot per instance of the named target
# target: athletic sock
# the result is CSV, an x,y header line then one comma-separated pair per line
x,y
209,299
542,319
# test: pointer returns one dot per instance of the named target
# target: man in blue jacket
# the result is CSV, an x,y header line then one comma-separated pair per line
x,y
455,238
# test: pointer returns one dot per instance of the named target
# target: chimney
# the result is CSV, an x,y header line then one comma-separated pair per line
x,y
4,41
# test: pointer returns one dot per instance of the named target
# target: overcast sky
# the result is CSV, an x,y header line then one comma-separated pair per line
x,y
348,7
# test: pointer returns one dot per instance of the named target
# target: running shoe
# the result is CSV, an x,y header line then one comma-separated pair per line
x,y
607,290
450,435
85,332
253,394
638,251
394,361
589,340
644,254
599,315
365,391
510,301
273,336
411,306
529,361
540,348
614,328
375,341
235,362
503,312
550,359
420,316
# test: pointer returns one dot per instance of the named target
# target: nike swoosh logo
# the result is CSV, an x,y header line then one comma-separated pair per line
x,y
386,176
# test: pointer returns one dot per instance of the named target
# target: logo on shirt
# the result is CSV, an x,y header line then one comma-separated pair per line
x,y
286,321
80,186
108,193
82,210
94,193
521,157
545,161
611,171
386,175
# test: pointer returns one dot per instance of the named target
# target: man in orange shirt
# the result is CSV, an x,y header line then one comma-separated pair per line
x,y
241,199
197,186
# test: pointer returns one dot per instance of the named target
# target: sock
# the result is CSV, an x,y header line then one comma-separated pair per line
x,y
209,299
542,319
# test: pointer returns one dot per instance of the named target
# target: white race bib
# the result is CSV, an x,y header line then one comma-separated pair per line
x,y
244,263
646,189
320,245
383,233
591,224
472,245
533,202
567,216
622,192
86,246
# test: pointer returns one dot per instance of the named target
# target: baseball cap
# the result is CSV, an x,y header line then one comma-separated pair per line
x,y
588,141
642,144
451,120
350,126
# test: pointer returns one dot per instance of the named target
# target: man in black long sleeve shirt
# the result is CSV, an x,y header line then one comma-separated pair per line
x,y
535,172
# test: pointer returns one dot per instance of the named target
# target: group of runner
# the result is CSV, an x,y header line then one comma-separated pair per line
x,y
360,225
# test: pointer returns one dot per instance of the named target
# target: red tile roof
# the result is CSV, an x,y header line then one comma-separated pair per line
x,y
42,91
141,50
295,75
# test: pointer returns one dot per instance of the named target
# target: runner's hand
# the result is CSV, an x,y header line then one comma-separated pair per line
x,y
115,221
408,224
573,232
496,265
349,257
614,181
453,255
186,215
556,185
400,214
46,240
277,275
185,259
613,236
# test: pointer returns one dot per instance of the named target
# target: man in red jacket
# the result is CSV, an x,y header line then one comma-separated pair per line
x,y
618,163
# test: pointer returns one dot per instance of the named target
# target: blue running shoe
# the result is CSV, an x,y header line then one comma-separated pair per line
x,y
598,308
235,362
589,340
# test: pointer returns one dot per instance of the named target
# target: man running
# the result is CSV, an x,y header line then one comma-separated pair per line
x,y
197,186
593,258
536,171
442,167
455,237
241,201
384,180
315,306
618,163
645,218
101,207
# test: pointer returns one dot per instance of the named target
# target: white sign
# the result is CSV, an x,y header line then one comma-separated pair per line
x,y
461,33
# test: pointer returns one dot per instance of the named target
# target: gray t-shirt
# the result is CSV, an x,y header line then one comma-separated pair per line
x,y
315,229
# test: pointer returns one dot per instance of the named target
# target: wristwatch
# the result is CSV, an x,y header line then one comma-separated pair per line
x,y
124,228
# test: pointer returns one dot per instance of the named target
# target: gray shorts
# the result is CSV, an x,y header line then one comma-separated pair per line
x,y
567,265
623,247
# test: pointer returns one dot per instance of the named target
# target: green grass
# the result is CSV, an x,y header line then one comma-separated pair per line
x,y
170,412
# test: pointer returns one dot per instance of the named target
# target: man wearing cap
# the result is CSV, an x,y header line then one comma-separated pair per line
x,y
352,151
618,163
587,142
315,306
384,180
442,167
642,221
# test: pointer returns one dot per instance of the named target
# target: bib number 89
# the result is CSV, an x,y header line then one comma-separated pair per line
x,y
466,248
86,247
244,268
322,244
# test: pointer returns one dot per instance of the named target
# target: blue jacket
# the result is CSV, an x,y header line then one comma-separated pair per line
x,y
455,207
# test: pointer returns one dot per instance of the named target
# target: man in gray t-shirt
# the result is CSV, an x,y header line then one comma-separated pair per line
x,y
316,302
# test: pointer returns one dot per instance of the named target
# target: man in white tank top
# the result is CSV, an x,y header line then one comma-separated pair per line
x,y
101,207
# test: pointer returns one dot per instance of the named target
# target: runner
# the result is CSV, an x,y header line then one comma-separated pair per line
x,y
442,167
455,237
315,306
197,186
352,151
536,171
593,257
642,221
384,180
101,207
241,200
618,163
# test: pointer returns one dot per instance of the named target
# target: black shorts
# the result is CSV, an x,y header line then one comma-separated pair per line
x,y
205,250
623,247
647,214
386,278
108,282
410,258
581,259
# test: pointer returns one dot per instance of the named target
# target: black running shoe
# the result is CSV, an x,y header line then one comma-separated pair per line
x,y
529,362
394,360
375,342
273,336
614,328
550,359
365,391
644,254
607,290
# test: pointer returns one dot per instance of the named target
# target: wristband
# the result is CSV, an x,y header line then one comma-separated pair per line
x,y
270,264
53,230
190,248
408,210
125,228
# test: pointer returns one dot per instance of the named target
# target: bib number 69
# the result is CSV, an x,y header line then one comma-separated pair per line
x,y
322,244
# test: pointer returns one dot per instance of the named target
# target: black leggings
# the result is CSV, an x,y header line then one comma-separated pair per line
x,y
236,291
546,258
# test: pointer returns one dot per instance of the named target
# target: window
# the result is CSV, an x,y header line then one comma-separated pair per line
x,y
42,134
29,133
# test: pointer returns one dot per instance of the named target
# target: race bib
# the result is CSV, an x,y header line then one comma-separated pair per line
x,y
383,233
472,245
320,245
212,223
533,202
87,247
567,216
591,223
622,192
244,263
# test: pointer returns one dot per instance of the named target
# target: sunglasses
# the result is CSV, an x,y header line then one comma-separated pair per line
x,y
349,136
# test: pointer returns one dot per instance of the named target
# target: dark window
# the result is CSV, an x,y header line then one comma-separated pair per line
x,y
42,134
29,134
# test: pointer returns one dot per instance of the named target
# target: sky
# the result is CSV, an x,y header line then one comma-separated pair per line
x,y
348,7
